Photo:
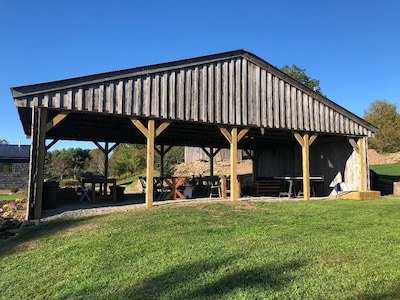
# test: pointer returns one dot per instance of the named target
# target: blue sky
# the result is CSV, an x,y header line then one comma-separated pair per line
x,y
351,46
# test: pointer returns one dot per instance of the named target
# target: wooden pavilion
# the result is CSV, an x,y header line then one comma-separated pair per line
x,y
231,100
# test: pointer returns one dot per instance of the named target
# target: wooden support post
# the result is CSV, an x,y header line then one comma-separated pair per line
x,y
36,169
150,163
234,183
106,151
211,154
32,167
150,133
233,138
305,142
162,151
361,161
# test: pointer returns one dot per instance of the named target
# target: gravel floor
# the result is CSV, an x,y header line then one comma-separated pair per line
x,y
75,209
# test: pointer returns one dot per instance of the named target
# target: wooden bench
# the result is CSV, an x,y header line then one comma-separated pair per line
x,y
268,187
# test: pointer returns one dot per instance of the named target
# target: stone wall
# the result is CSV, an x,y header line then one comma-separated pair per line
x,y
18,177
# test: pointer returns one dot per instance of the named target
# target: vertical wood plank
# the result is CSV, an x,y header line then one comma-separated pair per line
x,y
282,107
195,94
293,110
275,105
128,97
306,113
263,97
232,92
245,99
164,96
203,94
137,97
119,98
317,122
254,111
238,92
187,109
270,113
224,93
146,92
210,98
218,92
172,95
155,95
288,107
311,112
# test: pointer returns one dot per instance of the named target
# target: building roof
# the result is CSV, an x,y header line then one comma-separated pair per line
x,y
234,88
14,151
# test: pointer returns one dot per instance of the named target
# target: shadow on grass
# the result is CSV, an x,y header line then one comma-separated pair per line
x,y
29,234
377,295
207,279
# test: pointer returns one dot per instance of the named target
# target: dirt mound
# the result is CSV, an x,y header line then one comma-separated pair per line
x,y
374,158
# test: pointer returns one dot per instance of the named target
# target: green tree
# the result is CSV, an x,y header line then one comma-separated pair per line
x,y
300,75
127,159
67,163
384,115
3,142
96,163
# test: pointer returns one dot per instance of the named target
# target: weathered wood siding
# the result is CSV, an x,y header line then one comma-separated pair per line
x,y
335,160
240,90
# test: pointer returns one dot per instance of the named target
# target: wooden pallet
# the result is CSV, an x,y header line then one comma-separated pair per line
x,y
268,187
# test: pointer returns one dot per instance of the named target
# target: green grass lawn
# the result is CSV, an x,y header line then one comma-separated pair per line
x,y
320,249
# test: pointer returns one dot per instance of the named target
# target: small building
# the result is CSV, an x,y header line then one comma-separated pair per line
x,y
14,166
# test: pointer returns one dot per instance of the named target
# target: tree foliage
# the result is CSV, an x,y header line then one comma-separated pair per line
x,y
67,163
128,159
383,115
3,142
300,75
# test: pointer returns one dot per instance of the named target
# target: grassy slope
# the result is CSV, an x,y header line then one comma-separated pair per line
x,y
290,250
387,171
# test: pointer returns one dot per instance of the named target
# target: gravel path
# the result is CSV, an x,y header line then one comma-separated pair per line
x,y
84,209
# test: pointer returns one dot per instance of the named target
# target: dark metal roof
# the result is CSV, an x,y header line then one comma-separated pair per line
x,y
14,151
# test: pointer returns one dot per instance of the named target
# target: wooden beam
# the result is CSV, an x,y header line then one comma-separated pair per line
x,y
299,138
139,125
242,133
161,128
51,144
57,119
313,138
355,145
226,134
